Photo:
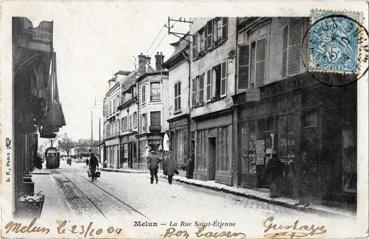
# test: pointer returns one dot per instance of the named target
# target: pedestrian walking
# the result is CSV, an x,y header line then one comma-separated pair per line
x,y
94,163
169,166
153,160
87,162
274,172
302,176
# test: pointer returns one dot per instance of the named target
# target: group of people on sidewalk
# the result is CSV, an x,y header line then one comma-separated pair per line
x,y
274,171
154,158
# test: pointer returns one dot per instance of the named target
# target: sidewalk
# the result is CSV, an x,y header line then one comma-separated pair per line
x,y
262,195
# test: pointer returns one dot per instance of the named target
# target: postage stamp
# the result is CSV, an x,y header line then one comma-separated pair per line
x,y
334,42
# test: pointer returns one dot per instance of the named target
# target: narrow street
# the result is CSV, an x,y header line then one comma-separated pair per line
x,y
122,195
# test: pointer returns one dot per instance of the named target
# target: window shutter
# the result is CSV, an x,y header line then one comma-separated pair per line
x,y
260,62
225,28
223,79
194,46
179,95
243,67
208,85
209,36
201,89
194,92
294,46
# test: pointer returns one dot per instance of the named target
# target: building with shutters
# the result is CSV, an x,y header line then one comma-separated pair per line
x,y
279,106
111,123
152,87
213,60
128,120
179,104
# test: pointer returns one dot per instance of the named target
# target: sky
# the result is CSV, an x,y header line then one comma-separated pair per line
x,y
91,46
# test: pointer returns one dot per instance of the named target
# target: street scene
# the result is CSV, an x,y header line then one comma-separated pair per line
x,y
189,119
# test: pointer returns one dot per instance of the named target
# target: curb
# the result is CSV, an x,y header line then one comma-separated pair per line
x,y
315,210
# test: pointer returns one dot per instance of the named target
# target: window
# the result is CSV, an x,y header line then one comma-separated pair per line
x,y
200,80
220,79
125,123
155,91
220,30
143,94
243,67
155,118
193,92
208,85
177,97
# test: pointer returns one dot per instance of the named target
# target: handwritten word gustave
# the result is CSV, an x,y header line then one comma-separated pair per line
x,y
294,230
201,233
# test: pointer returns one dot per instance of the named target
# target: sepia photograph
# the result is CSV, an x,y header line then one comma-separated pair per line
x,y
184,119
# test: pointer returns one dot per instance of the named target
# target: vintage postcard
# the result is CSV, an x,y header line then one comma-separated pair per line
x,y
184,119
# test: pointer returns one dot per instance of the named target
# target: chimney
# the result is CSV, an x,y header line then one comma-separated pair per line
x,y
142,61
159,60
111,82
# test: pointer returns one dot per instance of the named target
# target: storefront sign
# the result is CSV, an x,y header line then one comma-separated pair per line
x,y
252,94
260,152
178,123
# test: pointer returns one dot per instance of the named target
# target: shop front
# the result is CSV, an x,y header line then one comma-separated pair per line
x,y
112,152
299,115
179,140
213,147
128,151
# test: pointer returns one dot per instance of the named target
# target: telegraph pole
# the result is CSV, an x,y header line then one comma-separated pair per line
x,y
177,34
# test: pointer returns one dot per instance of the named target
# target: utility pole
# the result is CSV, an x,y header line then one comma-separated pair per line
x,y
177,34
92,131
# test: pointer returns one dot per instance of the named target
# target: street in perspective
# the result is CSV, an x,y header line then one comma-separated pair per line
x,y
227,119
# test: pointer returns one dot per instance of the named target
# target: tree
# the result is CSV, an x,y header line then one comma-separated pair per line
x,y
66,144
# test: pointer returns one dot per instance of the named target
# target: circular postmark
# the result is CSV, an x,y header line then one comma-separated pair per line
x,y
337,48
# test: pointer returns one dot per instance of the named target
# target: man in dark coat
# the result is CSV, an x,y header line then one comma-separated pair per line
x,y
153,160
94,163
274,172
169,166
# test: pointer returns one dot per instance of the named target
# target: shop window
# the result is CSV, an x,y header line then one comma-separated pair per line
x,y
177,97
155,119
155,91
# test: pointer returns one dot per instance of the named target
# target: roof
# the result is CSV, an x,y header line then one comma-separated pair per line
x,y
120,72
181,46
161,72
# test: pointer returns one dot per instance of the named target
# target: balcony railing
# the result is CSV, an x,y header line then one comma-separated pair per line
x,y
127,103
155,128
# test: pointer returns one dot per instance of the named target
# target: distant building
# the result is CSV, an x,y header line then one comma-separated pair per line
x,y
128,120
179,103
153,112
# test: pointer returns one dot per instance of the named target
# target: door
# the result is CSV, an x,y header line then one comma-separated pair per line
x,y
211,158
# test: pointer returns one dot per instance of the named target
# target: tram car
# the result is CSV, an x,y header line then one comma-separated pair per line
x,y
52,157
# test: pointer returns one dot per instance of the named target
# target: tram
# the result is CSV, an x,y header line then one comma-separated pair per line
x,y
52,157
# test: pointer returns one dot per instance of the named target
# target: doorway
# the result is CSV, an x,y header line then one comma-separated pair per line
x,y
211,158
